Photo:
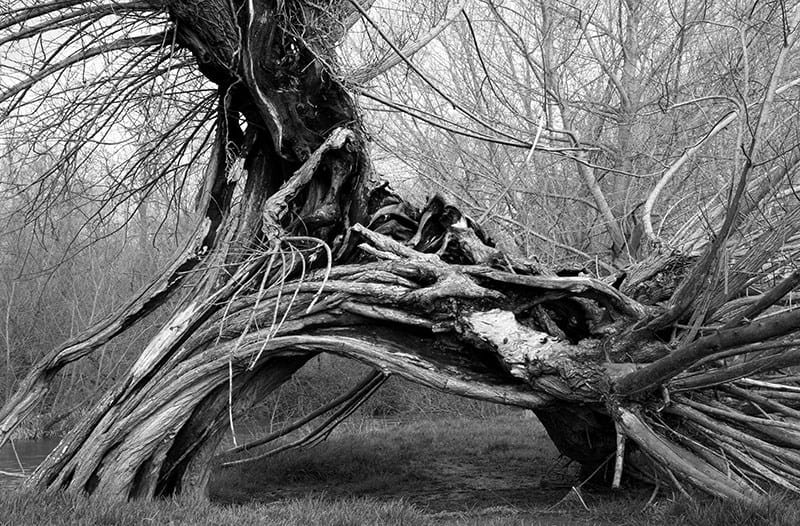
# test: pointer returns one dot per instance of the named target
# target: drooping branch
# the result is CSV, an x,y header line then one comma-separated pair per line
x,y
343,408
366,385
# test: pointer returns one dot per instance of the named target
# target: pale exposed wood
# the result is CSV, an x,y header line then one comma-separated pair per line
x,y
702,474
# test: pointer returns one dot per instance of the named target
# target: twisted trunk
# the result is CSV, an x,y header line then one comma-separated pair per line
x,y
299,251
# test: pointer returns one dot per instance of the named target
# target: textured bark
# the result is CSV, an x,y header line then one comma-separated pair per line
x,y
320,257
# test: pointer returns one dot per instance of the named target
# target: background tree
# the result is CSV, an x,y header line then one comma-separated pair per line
x,y
621,97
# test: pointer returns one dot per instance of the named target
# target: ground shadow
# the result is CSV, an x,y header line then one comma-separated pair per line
x,y
440,465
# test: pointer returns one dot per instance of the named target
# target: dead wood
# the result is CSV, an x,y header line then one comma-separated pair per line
x,y
318,256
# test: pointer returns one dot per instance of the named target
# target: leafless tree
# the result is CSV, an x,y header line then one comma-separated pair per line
x,y
638,119
299,249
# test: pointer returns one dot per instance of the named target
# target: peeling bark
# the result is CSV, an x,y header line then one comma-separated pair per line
x,y
319,257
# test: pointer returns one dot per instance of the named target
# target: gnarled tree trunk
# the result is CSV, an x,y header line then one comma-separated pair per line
x,y
301,251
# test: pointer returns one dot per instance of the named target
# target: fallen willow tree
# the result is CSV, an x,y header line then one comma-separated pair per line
x,y
673,373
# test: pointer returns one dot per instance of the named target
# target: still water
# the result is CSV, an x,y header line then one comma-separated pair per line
x,y
30,452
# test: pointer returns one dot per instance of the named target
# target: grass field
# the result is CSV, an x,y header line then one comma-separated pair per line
x,y
489,471
446,464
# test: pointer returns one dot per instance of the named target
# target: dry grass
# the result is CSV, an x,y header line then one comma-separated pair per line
x,y
452,471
